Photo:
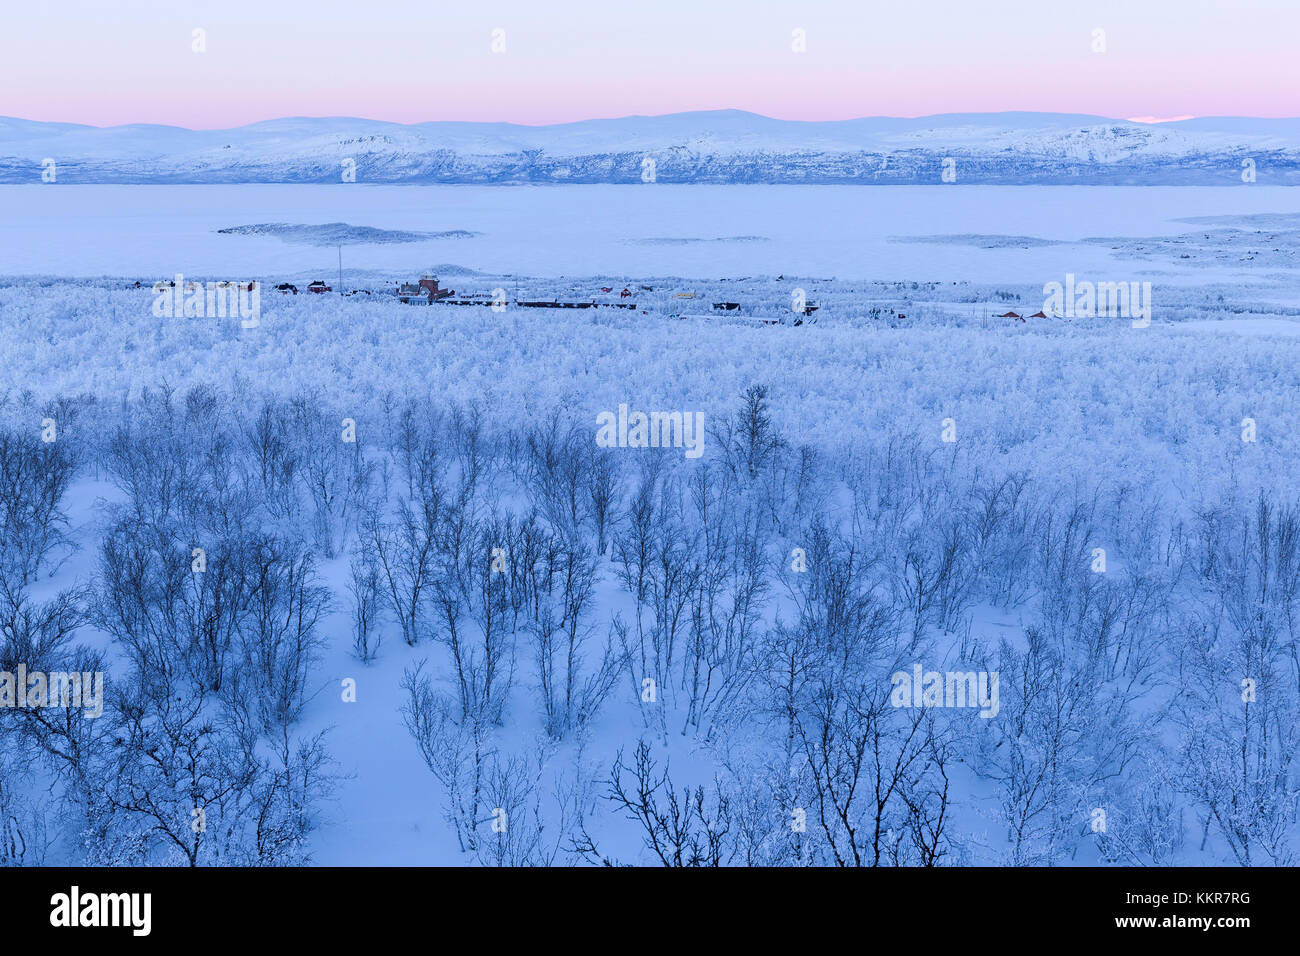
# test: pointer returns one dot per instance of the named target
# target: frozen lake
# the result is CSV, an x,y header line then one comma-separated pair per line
x,y
846,232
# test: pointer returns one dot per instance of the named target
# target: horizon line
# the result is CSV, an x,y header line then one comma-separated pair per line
x,y
1147,120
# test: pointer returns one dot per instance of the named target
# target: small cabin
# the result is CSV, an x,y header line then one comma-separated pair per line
x,y
318,287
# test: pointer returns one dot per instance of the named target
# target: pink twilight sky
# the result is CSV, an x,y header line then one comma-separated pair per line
x,y
133,61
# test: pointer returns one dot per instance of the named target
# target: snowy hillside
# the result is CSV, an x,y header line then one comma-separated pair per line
x,y
725,146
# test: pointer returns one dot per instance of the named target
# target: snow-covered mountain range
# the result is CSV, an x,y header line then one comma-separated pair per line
x,y
725,146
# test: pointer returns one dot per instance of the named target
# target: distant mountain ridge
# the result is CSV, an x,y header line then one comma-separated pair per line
x,y
724,146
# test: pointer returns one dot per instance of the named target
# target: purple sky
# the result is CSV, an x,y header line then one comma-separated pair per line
x,y
132,61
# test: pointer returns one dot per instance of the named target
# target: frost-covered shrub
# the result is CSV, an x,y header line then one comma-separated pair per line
x,y
34,479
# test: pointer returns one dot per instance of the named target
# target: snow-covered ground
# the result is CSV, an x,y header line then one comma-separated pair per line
x,y
902,410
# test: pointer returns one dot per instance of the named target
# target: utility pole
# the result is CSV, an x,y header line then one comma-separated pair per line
x,y
340,268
